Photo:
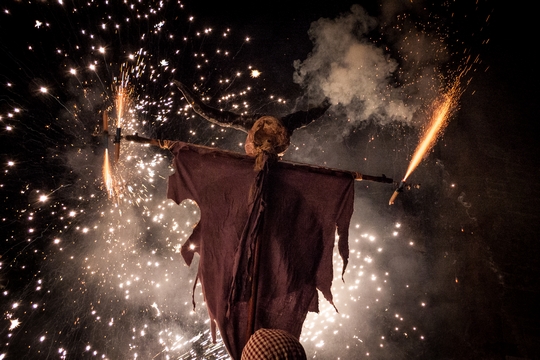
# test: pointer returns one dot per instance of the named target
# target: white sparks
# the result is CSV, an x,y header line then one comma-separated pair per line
x,y
14,323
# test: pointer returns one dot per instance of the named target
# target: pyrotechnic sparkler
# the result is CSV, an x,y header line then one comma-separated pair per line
x,y
122,98
443,108
107,172
122,103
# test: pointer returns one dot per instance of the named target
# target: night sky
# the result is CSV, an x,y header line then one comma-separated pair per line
x,y
450,271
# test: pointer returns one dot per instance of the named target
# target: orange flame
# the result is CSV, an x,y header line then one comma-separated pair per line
x,y
444,107
120,102
107,174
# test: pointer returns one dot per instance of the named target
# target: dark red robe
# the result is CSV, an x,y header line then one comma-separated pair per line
x,y
294,212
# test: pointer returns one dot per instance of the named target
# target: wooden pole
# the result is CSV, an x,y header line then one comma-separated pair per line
x,y
313,168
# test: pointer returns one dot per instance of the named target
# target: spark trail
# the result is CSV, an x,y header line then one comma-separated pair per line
x,y
443,108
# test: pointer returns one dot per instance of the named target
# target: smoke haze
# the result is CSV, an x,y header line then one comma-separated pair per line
x,y
353,64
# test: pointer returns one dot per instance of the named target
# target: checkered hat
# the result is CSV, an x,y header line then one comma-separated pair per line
x,y
273,344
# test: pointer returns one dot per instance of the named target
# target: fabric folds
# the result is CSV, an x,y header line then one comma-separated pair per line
x,y
293,211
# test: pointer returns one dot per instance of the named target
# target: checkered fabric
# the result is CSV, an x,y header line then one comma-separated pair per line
x,y
273,344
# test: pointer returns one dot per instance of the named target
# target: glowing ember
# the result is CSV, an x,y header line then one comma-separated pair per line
x,y
14,323
121,102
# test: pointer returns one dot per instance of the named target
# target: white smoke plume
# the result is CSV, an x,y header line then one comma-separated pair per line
x,y
371,81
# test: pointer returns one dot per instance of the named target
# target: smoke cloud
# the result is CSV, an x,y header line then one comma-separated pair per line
x,y
366,79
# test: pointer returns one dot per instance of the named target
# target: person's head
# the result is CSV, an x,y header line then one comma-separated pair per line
x,y
271,344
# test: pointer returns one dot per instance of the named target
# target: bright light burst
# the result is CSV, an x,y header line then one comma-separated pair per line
x,y
14,324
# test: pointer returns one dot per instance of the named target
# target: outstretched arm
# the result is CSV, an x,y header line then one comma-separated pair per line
x,y
302,118
216,116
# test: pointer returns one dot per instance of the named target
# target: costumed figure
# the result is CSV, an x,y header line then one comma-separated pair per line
x,y
265,238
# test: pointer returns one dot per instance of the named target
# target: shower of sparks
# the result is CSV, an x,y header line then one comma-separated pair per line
x,y
107,174
121,97
443,108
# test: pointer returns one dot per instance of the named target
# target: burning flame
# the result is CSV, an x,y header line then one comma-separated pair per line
x,y
107,174
123,95
120,102
443,108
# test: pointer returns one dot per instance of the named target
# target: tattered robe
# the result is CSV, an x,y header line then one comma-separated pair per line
x,y
294,211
